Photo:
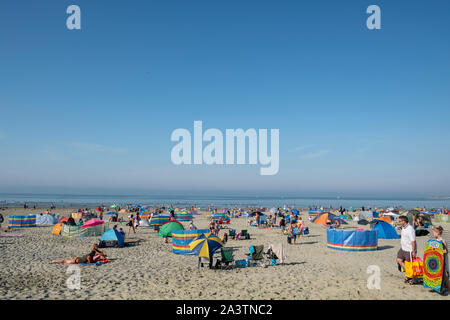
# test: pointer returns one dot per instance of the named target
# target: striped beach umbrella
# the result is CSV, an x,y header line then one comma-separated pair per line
x,y
205,245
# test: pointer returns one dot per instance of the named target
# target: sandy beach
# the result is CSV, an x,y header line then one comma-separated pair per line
x,y
150,270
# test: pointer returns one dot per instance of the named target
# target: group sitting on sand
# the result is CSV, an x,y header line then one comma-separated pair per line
x,y
94,256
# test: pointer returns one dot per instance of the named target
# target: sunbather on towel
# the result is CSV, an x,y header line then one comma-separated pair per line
x,y
76,260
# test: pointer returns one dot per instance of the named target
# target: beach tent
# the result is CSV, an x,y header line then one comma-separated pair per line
x,y
112,238
63,220
167,228
295,211
385,230
385,219
352,240
322,218
47,219
19,222
182,238
159,219
79,231
183,216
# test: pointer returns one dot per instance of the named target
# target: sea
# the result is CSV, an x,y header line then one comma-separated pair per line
x,y
219,201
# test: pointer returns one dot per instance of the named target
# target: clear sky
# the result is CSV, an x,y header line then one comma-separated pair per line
x,y
359,111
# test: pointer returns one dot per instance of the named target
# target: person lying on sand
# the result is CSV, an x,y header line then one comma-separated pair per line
x,y
96,254
76,260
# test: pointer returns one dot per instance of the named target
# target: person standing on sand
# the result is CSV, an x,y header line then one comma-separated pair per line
x,y
408,248
130,224
1,220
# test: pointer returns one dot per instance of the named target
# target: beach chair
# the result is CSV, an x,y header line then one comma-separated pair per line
x,y
226,256
257,254
232,233
245,235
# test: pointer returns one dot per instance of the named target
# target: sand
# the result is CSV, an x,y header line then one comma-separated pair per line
x,y
151,271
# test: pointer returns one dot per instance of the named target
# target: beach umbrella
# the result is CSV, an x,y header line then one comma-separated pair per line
x,y
167,228
92,222
295,211
205,245
111,213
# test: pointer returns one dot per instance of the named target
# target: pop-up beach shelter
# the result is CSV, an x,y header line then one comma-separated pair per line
x,y
47,219
167,228
112,238
322,218
385,230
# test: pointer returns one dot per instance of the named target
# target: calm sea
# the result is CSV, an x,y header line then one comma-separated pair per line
x,y
218,201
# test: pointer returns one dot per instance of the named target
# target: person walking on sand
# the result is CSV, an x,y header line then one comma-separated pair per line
x,y
130,224
1,220
408,248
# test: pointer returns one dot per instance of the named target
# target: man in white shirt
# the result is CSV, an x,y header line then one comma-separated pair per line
x,y
408,248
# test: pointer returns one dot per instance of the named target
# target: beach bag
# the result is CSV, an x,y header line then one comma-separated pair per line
x,y
414,268
306,231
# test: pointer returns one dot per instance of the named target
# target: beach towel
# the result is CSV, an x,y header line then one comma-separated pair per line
x,y
98,263
10,235
279,251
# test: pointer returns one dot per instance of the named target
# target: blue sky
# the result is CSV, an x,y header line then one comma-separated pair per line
x,y
359,111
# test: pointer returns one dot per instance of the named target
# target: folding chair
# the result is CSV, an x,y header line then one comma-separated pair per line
x,y
245,235
226,256
257,254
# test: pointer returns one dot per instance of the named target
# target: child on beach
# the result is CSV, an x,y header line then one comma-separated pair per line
x,y
437,233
